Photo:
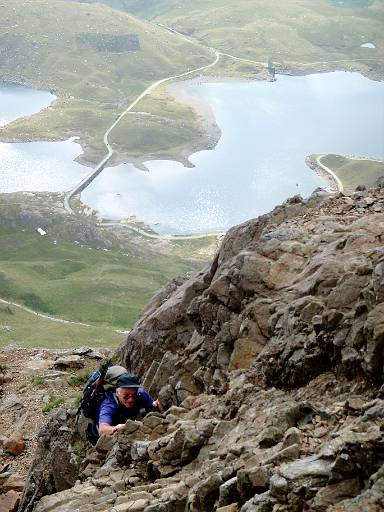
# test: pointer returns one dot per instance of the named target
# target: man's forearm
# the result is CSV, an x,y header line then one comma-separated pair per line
x,y
106,430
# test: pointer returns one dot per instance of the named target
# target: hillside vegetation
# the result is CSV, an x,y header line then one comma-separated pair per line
x,y
78,271
353,172
96,59
289,33
31,330
78,283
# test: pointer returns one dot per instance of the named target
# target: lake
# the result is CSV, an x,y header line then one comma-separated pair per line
x,y
267,131
35,166
19,101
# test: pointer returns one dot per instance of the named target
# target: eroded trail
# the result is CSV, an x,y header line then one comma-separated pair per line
x,y
42,315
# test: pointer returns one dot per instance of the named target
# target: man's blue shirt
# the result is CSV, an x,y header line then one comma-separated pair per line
x,y
113,413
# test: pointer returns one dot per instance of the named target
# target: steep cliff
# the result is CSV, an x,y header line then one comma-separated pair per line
x,y
270,364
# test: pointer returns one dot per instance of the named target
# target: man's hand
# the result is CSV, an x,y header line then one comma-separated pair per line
x,y
119,427
108,430
157,405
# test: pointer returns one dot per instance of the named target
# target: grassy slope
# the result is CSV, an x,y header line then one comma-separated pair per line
x,y
42,43
151,134
26,329
354,172
77,283
39,45
299,30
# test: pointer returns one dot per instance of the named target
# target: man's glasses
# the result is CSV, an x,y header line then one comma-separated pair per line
x,y
126,396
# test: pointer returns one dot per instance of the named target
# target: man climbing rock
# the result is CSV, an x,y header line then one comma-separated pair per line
x,y
127,402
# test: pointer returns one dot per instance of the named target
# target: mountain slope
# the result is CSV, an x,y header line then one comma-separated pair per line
x,y
269,364
289,33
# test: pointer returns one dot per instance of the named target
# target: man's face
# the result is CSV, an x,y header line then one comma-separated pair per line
x,y
127,396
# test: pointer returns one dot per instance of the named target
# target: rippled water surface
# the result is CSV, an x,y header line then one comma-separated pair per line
x,y
40,166
267,130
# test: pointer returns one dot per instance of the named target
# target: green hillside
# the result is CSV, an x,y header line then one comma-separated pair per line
x,y
26,329
77,282
95,58
353,172
98,57
294,31
80,271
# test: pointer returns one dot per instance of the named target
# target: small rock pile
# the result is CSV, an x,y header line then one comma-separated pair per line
x,y
270,366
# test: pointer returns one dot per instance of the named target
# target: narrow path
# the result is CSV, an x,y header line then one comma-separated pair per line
x,y
41,315
329,171
186,38
55,319
264,64
364,158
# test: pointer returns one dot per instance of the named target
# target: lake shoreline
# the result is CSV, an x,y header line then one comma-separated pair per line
x,y
329,178
90,156
206,102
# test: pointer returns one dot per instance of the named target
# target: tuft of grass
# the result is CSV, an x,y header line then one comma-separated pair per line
x,y
38,381
3,368
54,401
77,379
77,398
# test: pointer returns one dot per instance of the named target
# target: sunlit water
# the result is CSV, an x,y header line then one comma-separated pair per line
x,y
40,166
267,130
35,166
17,101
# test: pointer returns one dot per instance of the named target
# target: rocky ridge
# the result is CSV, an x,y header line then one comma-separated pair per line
x,y
270,366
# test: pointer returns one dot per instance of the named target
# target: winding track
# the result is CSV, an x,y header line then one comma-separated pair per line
x,y
41,315
329,171
88,179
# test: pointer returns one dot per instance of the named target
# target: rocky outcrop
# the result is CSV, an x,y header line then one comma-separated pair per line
x,y
270,365
292,294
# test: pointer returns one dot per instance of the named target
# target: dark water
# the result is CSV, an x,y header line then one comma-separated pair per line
x,y
267,130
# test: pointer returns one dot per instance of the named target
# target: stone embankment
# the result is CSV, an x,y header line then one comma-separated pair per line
x,y
270,366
